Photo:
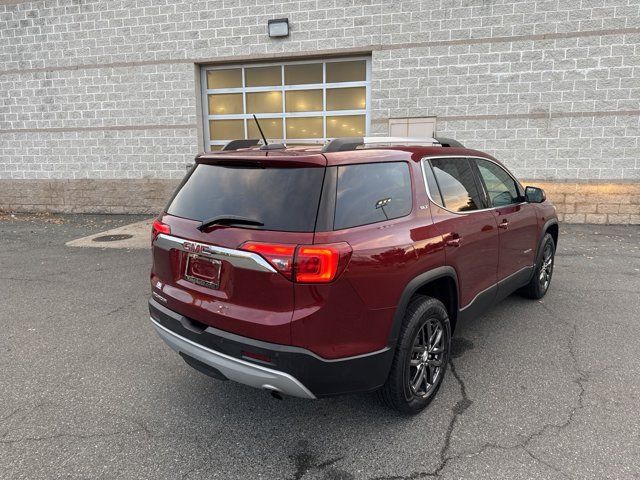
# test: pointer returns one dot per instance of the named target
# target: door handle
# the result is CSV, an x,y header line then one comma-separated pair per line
x,y
453,240
504,224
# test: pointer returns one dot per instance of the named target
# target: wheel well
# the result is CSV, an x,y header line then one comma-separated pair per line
x,y
553,230
444,289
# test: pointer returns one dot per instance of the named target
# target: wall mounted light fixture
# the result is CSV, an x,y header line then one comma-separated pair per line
x,y
278,27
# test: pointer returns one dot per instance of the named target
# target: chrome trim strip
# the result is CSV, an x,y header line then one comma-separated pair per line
x,y
238,258
345,359
477,295
233,368
426,186
494,285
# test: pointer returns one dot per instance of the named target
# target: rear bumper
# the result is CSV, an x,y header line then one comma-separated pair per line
x,y
291,370
234,368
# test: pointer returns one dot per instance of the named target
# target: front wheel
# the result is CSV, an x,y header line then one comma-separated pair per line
x,y
421,356
539,284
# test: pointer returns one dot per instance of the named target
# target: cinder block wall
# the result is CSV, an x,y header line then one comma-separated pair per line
x,y
577,202
108,90
140,196
594,202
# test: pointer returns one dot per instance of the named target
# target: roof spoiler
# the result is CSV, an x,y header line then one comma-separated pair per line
x,y
236,144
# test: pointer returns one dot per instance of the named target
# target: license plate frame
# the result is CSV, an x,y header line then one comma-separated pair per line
x,y
213,283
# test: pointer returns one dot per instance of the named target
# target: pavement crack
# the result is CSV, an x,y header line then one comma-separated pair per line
x,y
581,377
7,417
122,307
328,463
410,476
544,462
458,409
70,435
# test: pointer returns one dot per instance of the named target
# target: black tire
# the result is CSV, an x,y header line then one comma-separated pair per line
x,y
422,316
538,286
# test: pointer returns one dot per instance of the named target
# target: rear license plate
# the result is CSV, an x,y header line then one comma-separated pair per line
x,y
203,271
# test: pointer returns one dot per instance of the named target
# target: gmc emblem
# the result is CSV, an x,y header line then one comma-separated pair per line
x,y
193,247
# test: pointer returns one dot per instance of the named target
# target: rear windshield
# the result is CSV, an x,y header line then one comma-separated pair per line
x,y
281,198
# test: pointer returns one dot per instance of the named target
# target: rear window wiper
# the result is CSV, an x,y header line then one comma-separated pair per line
x,y
229,220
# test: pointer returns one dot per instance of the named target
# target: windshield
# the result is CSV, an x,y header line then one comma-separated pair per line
x,y
280,198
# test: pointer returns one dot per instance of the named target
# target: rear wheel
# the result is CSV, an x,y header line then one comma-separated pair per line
x,y
539,284
421,356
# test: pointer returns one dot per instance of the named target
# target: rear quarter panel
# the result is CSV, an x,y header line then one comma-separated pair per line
x,y
353,315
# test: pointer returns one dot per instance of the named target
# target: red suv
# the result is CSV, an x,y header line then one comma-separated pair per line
x,y
321,271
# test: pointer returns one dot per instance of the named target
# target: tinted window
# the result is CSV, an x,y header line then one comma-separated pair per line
x,y
457,185
501,188
281,198
432,185
371,193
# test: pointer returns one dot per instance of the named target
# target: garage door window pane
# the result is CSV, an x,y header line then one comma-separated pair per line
x,y
272,128
230,78
345,126
225,104
303,73
264,102
304,100
304,127
346,98
226,129
355,71
263,76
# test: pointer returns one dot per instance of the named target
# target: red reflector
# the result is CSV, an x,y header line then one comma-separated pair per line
x,y
279,255
158,227
257,356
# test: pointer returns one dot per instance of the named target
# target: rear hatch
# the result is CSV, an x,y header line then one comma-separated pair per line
x,y
210,273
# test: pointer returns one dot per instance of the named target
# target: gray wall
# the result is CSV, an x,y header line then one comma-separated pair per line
x,y
108,89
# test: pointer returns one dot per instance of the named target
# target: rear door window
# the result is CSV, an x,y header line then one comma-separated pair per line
x,y
283,199
457,188
372,192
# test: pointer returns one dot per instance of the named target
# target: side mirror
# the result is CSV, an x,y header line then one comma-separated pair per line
x,y
534,195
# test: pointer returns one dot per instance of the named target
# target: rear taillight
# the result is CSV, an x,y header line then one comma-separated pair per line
x,y
321,263
277,254
157,228
304,263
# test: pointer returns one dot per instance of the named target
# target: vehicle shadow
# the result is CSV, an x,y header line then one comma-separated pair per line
x,y
320,435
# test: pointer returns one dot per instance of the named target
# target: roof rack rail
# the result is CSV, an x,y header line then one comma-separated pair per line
x,y
449,142
236,144
345,144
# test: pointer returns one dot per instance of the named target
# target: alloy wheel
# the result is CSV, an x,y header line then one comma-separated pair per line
x,y
546,269
426,359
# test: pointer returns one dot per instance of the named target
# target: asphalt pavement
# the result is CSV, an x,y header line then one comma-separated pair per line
x,y
536,389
